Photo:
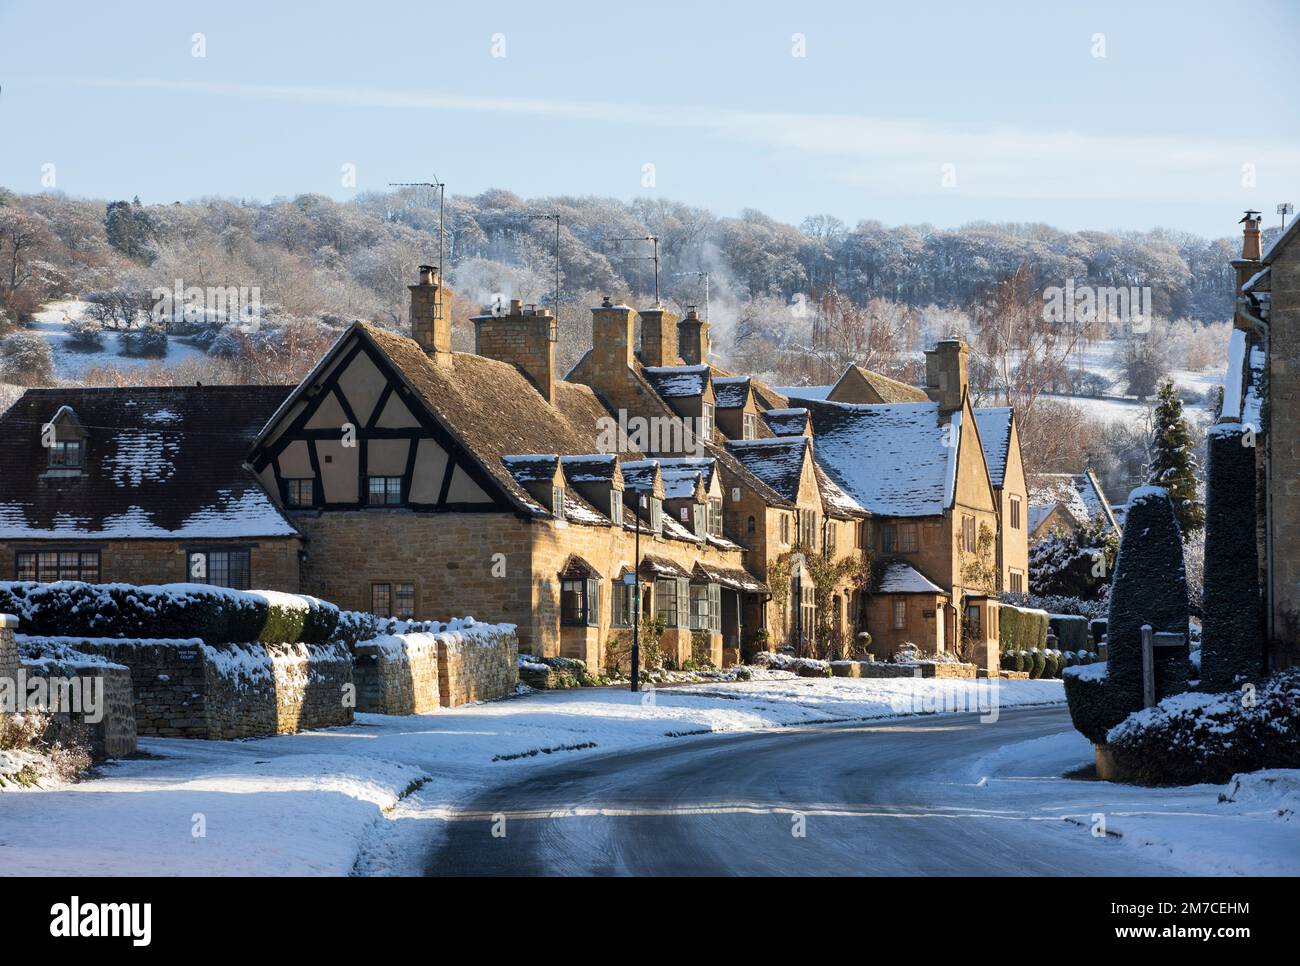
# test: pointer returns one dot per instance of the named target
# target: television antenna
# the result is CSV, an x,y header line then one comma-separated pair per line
x,y
441,188
705,277
1284,209
654,240
555,217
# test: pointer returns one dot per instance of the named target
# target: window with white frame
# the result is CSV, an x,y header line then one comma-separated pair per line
x,y
749,426
900,613
706,422
715,517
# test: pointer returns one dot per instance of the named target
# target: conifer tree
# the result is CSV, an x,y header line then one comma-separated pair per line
x,y
1173,462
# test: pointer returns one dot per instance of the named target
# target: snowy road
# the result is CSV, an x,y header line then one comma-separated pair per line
x,y
921,796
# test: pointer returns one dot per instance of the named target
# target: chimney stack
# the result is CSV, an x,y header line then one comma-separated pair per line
x,y
1249,263
611,341
430,320
946,374
658,337
525,338
693,338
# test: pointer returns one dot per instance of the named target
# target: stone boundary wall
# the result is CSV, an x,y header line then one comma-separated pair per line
x,y
183,688
114,734
397,674
476,662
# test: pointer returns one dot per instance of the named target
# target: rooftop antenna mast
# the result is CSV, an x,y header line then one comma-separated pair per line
x,y
1284,209
555,217
705,277
441,188
654,239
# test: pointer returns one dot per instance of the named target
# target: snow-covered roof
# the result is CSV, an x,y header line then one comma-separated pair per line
x,y
994,424
890,459
778,461
730,391
903,578
704,465
787,422
531,468
1079,494
804,392
159,462
680,483
591,468
676,382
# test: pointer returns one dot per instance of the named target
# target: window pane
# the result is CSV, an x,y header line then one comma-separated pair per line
x,y
405,601
381,600
90,567
27,566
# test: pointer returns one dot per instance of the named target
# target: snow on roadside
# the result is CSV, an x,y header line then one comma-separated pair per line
x,y
322,802
1192,827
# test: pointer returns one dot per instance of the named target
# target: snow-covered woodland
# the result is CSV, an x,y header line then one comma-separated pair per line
x,y
795,304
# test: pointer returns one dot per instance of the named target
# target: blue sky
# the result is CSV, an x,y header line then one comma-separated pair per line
x,y
1011,95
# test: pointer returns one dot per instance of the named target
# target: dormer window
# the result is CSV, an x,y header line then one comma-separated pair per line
x,y
557,502
66,454
701,518
616,506
706,422
750,428
656,514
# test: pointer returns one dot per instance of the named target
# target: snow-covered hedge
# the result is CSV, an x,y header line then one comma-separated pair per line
x,y
1071,631
1231,642
1089,700
1149,587
1021,628
215,615
1195,737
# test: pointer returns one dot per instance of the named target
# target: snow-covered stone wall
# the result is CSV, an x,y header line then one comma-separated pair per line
x,y
397,674
187,689
476,662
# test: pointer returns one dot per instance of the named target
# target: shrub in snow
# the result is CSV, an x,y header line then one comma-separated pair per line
x,y
322,619
1148,587
1088,700
26,360
1021,628
145,342
1232,648
1071,631
85,334
37,747
353,626
1073,564
1196,737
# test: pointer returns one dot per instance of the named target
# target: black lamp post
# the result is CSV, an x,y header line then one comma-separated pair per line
x,y
636,601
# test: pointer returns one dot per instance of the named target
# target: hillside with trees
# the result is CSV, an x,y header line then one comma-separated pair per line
x,y
795,304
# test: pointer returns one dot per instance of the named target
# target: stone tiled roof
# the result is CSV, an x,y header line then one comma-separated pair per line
x,y
730,391
159,462
677,382
778,461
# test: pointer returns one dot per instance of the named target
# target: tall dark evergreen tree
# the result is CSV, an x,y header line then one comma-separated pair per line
x,y
1232,647
128,227
1173,459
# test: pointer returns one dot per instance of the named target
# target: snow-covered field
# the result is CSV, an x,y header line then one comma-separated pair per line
x,y
71,364
346,799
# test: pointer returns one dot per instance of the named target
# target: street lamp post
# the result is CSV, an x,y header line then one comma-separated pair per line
x,y
636,592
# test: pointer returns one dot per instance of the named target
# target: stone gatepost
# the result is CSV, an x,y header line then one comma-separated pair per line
x,y
8,647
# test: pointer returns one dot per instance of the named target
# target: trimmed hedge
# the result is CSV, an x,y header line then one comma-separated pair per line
x,y
1021,628
1097,628
1149,587
1192,738
1071,631
1089,701
1232,646
215,615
